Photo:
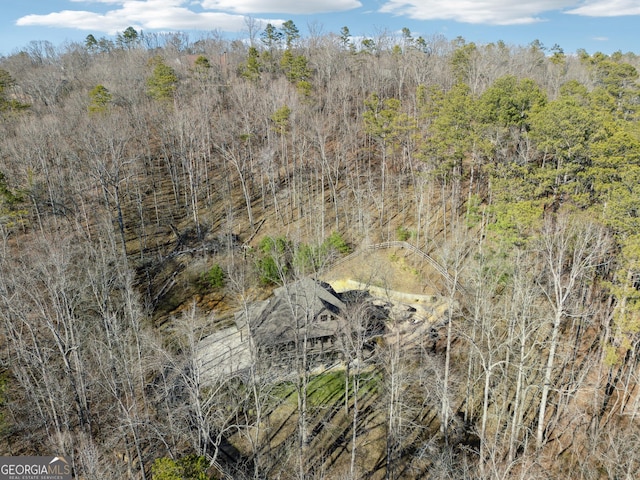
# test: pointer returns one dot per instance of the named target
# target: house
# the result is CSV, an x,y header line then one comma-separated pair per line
x,y
310,318
306,312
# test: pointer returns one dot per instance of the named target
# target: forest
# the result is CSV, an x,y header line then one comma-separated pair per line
x,y
152,185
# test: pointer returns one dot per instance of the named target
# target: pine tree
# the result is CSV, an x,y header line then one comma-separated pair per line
x,y
100,98
163,82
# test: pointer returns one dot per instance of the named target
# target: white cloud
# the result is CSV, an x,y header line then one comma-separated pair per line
x,y
492,12
141,14
301,7
607,8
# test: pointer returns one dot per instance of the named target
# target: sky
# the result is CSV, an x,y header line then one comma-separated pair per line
x,y
593,25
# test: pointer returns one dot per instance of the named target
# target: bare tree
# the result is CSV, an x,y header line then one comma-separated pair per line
x,y
360,324
453,258
570,248
105,149
258,379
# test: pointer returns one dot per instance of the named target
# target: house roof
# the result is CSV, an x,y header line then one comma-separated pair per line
x,y
311,296
297,307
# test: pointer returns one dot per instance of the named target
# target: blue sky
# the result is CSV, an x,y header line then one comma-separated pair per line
x,y
594,25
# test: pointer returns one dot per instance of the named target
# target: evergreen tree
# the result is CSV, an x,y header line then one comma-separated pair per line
x,y
163,82
345,39
509,102
291,33
271,37
91,43
7,104
563,129
251,70
99,98
128,39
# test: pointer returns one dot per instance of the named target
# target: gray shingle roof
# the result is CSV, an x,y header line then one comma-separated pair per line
x,y
306,306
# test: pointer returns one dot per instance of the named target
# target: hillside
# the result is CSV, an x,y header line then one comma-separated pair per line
x,y
147,195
